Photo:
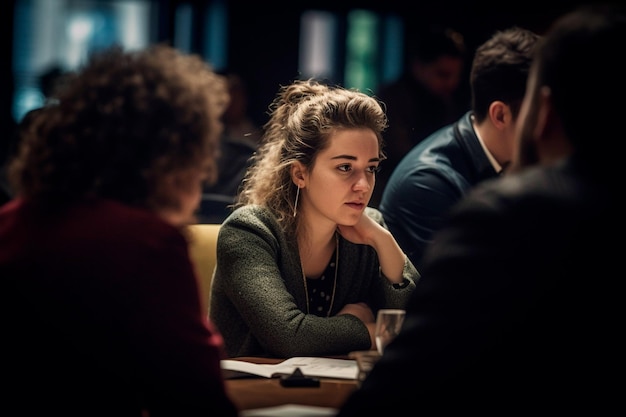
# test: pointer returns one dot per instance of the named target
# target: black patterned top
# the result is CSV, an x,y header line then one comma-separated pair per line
x,y
256,317
321,290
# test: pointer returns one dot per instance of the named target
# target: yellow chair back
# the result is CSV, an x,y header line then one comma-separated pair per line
x,y
203,253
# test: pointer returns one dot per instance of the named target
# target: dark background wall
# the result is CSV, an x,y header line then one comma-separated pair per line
x,y
263,37
6,77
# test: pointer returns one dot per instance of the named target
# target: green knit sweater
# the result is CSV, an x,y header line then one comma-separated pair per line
x,y
258,299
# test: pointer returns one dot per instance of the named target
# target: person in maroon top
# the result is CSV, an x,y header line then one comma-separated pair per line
x,y
101,310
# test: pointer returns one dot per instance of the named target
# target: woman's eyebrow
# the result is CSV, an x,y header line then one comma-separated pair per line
x,y
354,158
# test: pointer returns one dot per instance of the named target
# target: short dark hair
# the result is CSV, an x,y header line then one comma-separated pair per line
x,y
500,70
433,42
581,60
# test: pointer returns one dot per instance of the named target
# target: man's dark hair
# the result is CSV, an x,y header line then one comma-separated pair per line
x,y
500,69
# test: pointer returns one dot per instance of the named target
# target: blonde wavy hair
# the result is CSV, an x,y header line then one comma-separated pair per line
x,y
303,116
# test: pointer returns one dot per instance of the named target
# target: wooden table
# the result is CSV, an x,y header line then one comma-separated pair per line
x,y
248,393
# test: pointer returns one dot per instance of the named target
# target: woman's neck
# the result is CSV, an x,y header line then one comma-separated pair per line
x,y
316,246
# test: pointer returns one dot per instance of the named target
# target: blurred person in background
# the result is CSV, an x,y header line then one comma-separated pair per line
x,y
518,309
51,82
426,97
303,265
102,312
440,170
240,139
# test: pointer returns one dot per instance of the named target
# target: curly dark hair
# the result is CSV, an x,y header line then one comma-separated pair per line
x,y
124,125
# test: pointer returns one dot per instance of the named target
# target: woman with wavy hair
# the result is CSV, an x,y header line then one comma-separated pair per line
x,y
303,264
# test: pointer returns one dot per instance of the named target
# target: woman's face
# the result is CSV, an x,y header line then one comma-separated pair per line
x,y
339,185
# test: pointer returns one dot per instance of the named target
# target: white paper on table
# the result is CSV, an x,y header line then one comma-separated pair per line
x,y
309,365
290,410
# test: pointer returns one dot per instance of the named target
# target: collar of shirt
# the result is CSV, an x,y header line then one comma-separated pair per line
x,y
492,160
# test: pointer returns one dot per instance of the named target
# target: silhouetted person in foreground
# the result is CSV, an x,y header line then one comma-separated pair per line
x,y
101,311
518,309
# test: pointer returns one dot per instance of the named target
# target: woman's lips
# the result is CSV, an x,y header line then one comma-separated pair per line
x,y
355,205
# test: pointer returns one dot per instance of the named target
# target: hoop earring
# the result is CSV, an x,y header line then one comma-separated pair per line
x,y
295,205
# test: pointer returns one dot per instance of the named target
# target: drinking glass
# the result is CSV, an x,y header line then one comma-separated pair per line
x,y
388,324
